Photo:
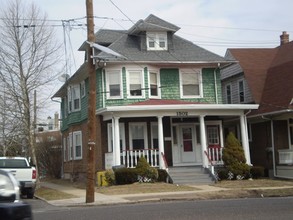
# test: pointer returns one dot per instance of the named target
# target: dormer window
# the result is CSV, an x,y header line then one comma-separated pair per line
x,y
157,41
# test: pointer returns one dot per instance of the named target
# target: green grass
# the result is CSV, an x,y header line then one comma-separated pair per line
x,y
51,194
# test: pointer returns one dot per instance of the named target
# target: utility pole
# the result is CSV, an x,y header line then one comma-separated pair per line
x,y
90,186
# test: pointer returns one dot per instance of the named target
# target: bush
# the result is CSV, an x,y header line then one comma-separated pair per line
x,y
110,177
222,174
125,176
234,158
162,175
257,172
145,172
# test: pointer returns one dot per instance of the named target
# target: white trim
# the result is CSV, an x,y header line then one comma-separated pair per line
x,y
155,38
75,134
113,71
82,89
142,84
122,136
157,72
71,149
200,87
65,152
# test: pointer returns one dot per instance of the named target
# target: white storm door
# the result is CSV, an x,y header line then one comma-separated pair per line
x,y
187,144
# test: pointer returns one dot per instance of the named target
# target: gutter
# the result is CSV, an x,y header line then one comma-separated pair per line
x,y
271,113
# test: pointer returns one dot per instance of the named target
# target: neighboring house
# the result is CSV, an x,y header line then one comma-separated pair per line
x,y
265,77
158,95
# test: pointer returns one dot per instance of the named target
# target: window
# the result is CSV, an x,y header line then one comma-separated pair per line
x,y
70,146
155,139
77,145
138,136
190,83
154,84
241,91
113,84
82,89
135,83
73,95
213,135
157,41
228,94
110,137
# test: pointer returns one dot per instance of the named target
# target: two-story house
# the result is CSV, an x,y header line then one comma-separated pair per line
x,y
264,76
158,96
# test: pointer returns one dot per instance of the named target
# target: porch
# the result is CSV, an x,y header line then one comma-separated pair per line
x,y
129,158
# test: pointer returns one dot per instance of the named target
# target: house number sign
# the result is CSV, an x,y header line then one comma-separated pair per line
x,y
182,114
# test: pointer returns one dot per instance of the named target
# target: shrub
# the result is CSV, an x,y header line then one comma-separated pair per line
x,y
110,177
125,176
145,172
257,172
234,158
222,174
162,175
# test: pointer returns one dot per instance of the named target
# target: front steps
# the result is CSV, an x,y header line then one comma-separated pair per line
x,y
190,175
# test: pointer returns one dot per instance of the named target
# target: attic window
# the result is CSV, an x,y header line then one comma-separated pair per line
x,y
157,41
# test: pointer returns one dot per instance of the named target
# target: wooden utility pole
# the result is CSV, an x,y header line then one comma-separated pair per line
x,y
90,187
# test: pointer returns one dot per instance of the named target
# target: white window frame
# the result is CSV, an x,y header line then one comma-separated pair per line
x,y
108,73
239,95
144,130
110,137
158,84
70,147
154,40
226,93
75,144
188,71
73,94
142,89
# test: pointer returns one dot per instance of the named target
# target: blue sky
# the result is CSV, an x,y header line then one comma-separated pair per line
x,y
212,24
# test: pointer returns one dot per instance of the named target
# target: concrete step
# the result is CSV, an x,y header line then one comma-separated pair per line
x,y
189,175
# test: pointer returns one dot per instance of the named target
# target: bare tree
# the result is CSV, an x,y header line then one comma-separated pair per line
x,y
29,58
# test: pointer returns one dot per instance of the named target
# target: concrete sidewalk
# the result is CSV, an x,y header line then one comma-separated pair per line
x,y
102,199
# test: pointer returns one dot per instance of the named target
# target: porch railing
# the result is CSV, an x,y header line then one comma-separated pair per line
x,y
215,155
129,158
285,156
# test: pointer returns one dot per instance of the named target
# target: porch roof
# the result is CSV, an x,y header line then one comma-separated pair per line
x,y
175,108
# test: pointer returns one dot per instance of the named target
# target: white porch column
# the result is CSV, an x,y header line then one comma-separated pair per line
x,y
244,138
161,142
116,142
203,140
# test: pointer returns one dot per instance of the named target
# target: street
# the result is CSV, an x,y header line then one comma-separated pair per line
x,y
260,208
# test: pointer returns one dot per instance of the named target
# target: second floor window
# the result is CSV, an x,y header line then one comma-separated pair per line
x,y
241,91
190,83
228,94
135,83
73,97
113,81
154,84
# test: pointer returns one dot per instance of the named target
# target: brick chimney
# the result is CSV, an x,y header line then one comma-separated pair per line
x,y
284,38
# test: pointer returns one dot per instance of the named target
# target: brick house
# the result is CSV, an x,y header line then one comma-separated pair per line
x,y
264,76
158,96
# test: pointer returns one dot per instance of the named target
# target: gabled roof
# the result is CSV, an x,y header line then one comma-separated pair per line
x,y
278,90
269,74
152,23
254,64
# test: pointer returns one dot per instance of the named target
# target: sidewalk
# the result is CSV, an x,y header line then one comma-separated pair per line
x,y
102,199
